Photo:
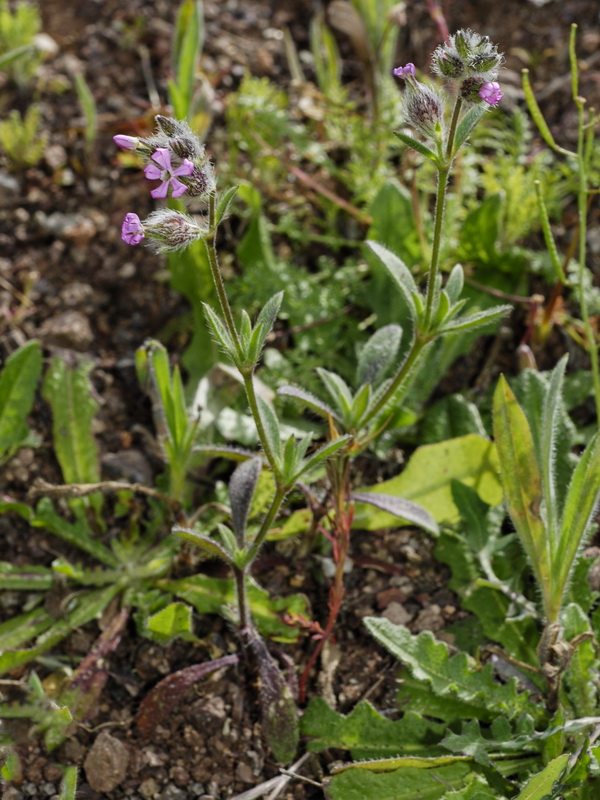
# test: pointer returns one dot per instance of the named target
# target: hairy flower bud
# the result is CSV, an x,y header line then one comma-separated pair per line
x,y
201,181
171,230
467,54
424,110
447,65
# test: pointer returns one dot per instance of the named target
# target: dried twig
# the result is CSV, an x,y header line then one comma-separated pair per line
x,y
67,491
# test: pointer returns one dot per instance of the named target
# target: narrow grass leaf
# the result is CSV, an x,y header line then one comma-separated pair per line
x,y
542,785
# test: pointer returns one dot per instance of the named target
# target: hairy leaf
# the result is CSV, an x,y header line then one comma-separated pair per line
x,y
18,382
378,355
399,507
401,784
241,490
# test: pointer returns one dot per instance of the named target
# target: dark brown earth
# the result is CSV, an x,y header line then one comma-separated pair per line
x,y
67,279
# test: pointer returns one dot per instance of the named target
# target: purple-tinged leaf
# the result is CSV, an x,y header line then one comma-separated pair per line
x,y
168,693
241,490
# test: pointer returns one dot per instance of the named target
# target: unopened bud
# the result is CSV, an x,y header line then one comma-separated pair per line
x,y
171,230
424,110
201,181
447,64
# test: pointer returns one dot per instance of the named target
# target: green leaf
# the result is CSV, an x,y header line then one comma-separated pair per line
x,y
172,622
224,202
408,783
579,512
367,734
418,146
219,331
242,485
522,482
360,405
399,507
427,480
212,548
18,630
548,448
18,382
541,786
338,389
378,355
451,417
457,677
454,284
477,320
34,578
187,44
76,533
270,426
218,596
68,787
225,451
399,272
468,124
310,400
582,692
323,452
69,392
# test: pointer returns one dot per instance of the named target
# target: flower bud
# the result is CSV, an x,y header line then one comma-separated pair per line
x,y
132,230
448,65
424,110
126,142
201,181
491,93
171,230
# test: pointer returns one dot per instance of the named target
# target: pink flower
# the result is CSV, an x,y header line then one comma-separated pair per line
x,y
491,93
132,231
165,173
126,142
407,71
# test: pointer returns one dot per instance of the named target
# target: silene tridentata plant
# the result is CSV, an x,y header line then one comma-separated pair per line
x,y
450,756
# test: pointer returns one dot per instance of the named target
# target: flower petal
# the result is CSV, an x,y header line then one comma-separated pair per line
x,y
160,191
152,172
162,157
186,168
178,187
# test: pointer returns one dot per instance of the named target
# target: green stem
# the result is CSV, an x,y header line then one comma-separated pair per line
x,y
266,525
213,260
242,597
582,200
262,435
408,364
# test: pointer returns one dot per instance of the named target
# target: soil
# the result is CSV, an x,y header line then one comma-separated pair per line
x,y
67,279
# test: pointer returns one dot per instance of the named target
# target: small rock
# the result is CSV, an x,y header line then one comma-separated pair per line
x,y
387,596
55,156
106,763
71,330
396,613
243,773
429,619
148,788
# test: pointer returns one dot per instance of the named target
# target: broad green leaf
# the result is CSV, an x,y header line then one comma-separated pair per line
x,y
456,676
402,784
18,382
522,482
69,392
427,480
216,595
541,786
367,734
378,355
399,507
172,622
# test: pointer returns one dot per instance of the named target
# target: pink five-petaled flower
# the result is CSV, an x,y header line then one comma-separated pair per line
x,y
407,71
126,142
165,173
491,93
132,231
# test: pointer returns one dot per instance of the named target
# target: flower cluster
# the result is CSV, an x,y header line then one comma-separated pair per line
x,y
473,61
175,157
468,59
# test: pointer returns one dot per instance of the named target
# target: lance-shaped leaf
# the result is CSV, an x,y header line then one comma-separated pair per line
x,y
224,202
399,272
542,785
455,282
468,124
18,381
416,145
522,483
399,507
269,313
579,512
325,451
34,578
76,533
270,427
338,389
279,714
168,693
212,548
548,446
224,450
477,320
241,491
378,354
219,331
358,782
310,400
